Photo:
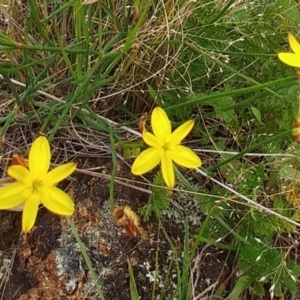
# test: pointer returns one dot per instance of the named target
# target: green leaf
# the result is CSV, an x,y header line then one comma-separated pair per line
x,y
258,288
152,92
289,173
127,153
282,206
242,284
136,151
290,284
296,270
257,115
296,215
133,290
278,291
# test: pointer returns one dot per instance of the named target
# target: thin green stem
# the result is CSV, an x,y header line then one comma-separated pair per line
x,y
86,258
114,169
8,122
37,21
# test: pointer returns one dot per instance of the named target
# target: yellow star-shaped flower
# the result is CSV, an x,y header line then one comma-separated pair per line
x,y
165,148
36,185
291,59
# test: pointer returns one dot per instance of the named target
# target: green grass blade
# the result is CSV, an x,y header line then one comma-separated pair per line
x,y
132,285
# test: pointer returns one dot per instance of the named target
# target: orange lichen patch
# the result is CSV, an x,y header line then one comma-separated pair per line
x,y
125,217
85,218
49,284
103,249
134,261
292,194
19,160
92,181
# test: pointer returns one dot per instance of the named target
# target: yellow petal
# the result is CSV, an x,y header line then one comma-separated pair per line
x,y
290,59
18,172
57,201
39,157
294,44
59,173
11,195
151,140
181,132
185,157
30,212
160,122
168,170
147,160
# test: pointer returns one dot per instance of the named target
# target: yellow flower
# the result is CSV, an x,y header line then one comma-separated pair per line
x,y
291,59
165,148
36,185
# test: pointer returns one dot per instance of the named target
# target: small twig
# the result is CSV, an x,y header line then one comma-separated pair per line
x,y
118,180
211,287
196,266
5,277
6,180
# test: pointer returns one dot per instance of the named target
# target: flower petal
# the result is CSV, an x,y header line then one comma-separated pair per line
x,y
181,132
57,201
12,195
294,44
185,157
160,122
147,160
30,212
18,172
59,173
290,59
39,157
151,140
168,169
